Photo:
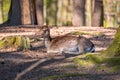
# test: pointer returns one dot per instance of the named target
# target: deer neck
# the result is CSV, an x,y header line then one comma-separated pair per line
x,y
47,41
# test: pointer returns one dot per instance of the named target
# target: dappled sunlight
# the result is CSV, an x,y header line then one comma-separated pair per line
x,y
46,39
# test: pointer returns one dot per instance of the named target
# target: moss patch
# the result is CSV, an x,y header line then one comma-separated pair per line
x,y
81,62
18,42
79,33
97,34
111,63
114,48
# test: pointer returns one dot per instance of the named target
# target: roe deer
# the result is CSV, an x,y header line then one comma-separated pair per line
x,y
66,44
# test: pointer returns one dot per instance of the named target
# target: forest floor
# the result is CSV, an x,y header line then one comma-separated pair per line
x,y
36,64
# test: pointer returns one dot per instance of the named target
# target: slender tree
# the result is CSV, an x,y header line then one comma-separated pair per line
x,y
78,17
39,11
97,13
88,12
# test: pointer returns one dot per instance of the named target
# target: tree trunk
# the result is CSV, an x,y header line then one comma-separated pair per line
x,y
39,12
14,16
51,12
114,48
64,12
88,12
118,13
78,17
25,9
109,13
33,12
97,14
69,12
59,13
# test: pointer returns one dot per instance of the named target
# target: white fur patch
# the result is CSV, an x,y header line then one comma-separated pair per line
x,y
91,50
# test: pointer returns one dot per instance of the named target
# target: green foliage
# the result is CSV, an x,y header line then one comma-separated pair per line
x,y
5,8
47,2
62,76
67,23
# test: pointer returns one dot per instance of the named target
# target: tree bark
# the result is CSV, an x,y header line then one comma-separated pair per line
x,y
14,16
59,12
114,48
88,12
78,17
39,12
64,12
97,14
25,9
109,13
51,11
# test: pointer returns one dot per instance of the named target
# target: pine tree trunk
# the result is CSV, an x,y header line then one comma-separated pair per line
x,y
118,13
25,9
51,11
59,13
33,12
69,12
64,12
97,13
78,16
88,12
39,11
15,13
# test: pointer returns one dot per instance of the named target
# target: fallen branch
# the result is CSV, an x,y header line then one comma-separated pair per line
x,y
30,68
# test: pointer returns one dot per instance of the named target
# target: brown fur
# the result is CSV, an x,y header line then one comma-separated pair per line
x,y
66,44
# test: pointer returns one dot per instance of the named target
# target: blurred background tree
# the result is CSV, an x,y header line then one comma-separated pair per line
x,y
60,12
4,9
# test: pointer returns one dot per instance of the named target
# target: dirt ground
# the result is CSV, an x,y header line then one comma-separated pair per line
x,y
36,64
